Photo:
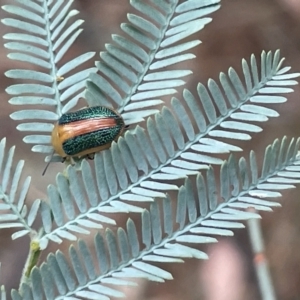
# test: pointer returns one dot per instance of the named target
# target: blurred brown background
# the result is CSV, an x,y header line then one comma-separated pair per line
x,y
239,28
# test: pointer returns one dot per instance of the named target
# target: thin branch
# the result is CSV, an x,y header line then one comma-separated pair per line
x,y
260,261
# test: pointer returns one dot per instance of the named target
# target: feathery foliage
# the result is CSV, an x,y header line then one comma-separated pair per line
x,y
150,46
41,41
14,213
143,166
49,36
167,237
146,164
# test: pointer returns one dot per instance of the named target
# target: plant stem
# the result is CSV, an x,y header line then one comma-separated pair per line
x,y
260,260
32,259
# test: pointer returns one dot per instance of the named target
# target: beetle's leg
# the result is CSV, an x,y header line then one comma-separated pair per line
x,y
48,163
63,159
91,156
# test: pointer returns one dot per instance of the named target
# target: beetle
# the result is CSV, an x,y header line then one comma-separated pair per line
x,y
86,131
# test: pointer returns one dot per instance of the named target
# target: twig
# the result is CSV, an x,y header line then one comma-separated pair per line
x,y
260,260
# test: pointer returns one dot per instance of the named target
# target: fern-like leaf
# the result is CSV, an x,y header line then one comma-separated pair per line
x,y
199,217
142,166
151,45
14,213
41,41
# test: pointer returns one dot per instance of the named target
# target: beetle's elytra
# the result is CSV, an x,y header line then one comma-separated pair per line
x,y
86,131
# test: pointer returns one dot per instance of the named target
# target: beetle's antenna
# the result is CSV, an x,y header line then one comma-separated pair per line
x,y
48,163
